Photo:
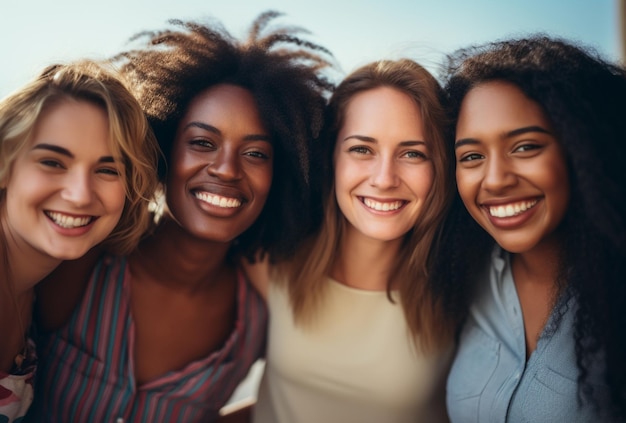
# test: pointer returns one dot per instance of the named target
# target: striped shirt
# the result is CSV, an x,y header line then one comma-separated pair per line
x,y
86,369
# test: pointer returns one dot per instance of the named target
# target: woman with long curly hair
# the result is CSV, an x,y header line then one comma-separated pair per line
x,y
538,235
77,162
166,333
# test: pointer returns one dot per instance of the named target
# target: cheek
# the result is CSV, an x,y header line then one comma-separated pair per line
x,y
423,180
262,181
183,164
464,185
114,198
340,184
468,188
557,168
560,190
346,171
339,179
175,182
28,190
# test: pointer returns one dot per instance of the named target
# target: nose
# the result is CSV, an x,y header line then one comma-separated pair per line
x,y
226,166
78,189
499,175
384,173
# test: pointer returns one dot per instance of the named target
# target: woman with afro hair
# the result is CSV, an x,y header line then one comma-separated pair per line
x,y
166,333
537,236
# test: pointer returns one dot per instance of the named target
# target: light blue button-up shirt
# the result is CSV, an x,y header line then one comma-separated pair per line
x,y
491,381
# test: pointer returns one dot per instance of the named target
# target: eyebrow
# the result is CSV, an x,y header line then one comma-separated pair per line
x,y
373,140
65,152
510,134
216,131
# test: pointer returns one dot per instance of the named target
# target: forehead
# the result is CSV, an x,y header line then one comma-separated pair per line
x,y
383,110
68,119
220,101
498,105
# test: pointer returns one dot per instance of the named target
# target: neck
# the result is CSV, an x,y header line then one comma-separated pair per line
x,y
24,265
174,258
363,262
541,264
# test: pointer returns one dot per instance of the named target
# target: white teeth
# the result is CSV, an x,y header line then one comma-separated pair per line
x,y
376,205
68,222
511,209
217,200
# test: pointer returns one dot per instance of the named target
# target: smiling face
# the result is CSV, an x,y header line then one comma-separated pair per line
x,y
511,170
382,170
65,192
221,166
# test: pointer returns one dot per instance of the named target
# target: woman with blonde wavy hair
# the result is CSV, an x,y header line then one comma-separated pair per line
x,y
77,164
357,333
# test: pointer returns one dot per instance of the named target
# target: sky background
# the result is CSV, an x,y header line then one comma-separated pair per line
x,y
35,33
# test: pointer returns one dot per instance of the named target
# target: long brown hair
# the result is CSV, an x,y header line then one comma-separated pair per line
x,y
306,275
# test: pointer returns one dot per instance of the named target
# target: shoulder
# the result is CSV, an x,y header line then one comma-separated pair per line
x,y
257,273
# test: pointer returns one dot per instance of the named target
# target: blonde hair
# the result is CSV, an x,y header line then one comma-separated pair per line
x,y
306,275
130,135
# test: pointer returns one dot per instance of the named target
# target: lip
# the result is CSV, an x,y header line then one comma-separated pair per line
x,y
70,224
218,200
383,206
221,201
511,213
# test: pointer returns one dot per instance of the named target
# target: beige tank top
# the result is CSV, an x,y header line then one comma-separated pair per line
x,y
356,364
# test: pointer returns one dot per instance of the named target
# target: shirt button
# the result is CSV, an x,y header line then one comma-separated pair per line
x,y
119,420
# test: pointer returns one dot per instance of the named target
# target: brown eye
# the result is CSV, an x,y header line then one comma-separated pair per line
x,y
527,147
471,157
109,171
202,143
257,154
359,149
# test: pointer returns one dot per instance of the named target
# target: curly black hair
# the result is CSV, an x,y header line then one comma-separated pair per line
x,y
284,73
584,97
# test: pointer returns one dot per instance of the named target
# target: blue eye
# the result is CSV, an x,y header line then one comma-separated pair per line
x,y
415,154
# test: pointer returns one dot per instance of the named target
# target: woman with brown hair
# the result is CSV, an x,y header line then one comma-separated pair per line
x,y
357,333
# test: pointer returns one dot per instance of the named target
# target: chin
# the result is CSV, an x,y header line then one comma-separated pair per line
x,y
71,254
516,247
